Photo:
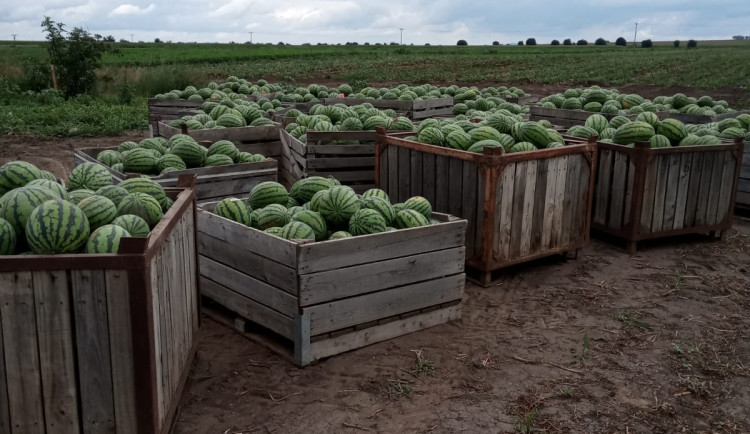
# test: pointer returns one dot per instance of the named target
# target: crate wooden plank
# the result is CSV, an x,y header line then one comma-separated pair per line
x,y
22,369
573,182
527,221
5,424
704,192
56,355
404,169
162,324
559,199
539,201
234,134
428,174
415,172
670,198
649,195
442,175
92,342
553,172
662,164
683,184
581,229
474,245
375,276
696,169
629,191
455,187
337,163
713,198
379,333
348,312
268,149
603,192
619,180
504,210
723,205
470,197
518,208
392,169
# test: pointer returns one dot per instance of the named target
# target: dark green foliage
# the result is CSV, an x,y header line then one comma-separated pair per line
x,y
676,43
647,43
520,42
600,41
692,43
495,43
582,42
567,42
555,42
462,42
531,41
621,42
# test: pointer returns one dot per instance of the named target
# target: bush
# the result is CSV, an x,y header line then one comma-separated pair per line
x,y
647,43
520,42
462,42
36,75
621,42
567,42
582,42
495,43
600,41
531,41
555,42
692,43
676,43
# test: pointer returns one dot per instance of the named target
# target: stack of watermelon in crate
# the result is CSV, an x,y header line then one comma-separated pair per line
x,y
317,270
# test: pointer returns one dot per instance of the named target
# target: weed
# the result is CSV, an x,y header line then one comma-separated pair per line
x,y
398,388
567,392
423,367
581,354
525,422
632,319
694,385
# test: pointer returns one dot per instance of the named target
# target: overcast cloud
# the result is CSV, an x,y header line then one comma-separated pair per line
x,y
435,22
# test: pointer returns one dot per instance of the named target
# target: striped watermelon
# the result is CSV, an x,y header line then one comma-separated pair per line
x,y
597,122
535,133
136,226
484,133
419,204
304,189
99,210
49,176
402,124
140,161
109,157
106,239
338,235
366,221
380,205
115,193
8,238
185,147
458,140
431,136
607,133
78,195
272,215
659,141
218,160
266,193
410,218
691,140
276,231
118,167
478,147
522,147
17,204
376,192
142,205
297,231
618,121
56,227
171,161
315,201
53,186
127,146
224,147
89,176
632,132
338,204
650,118
673,129
166,203
144,185
153,143
235,210
582,131
314,220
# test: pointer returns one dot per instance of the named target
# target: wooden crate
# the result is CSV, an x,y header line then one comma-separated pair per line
x,y
743,186
568,118
705,119
101,343
519,206
324,298
415,110
256,140
523,100
213,183
352,165
169,110
645,193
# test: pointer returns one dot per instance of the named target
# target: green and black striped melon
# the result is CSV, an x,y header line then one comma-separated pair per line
x,y
89,176
419,204
659,141
170,161
339,235
338,204
127,146
109,157
53,186
224,147
140,161
144,185
366,221
431,136
304,189
534,133
276,231
166,203
297,231
115,193
380,205
266,193
235,210
376,192
17,204
409,218
142,205
672,129
8,238
458,140
522,147
597,122
218,160
106,239
314,220
56,227
636,131
479,147
189,151
136,226
78,195
14,174
99,210
154,144
272,215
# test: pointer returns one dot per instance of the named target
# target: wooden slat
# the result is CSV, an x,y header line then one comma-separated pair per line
x,y
56,355
340,162
527,221
683,185
660,192
22,369
540,191
557,220
570,197
694,185
349,312
518,208
603,186
428,177
504,204
383,171
382,332
713,198
442,175
455,188
470,203
404,175
649,195
630,185
670,197
162,325
617,194
553,170
92,343
393,179
727,184
375,276
704,191
474,245
581,227
415,160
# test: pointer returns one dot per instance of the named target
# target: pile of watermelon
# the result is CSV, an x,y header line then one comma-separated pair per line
x,y
157,155
229,113
39,215
321,209
473,101
216,92
498,130
611,101
402,92
661,133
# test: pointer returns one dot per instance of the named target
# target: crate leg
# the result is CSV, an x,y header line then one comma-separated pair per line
x,y
723,235
717,235
302,339
631,247
572,254
485,278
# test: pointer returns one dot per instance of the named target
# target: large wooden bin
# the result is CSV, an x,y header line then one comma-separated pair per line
x,y
519,207
169,109
568,118
213,183
645,193
324,298
101,343
415,110
262,140
743,187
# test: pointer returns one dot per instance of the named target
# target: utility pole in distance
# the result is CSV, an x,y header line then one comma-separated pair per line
x,y
14,36
251,37
131,37
402,36
635,36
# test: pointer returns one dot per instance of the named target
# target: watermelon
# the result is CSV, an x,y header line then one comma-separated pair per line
x,y
458,140
650,118
419,204
106,239
314,220
49,176
728,123
272,215
218,160
170,161
56,227
380,205
53,186
142,205
189,151
235,210
618,121
153,143
659,141
166,203
99,210
89,176
276,230
115,193
522,147
478,147
366,221
78,195
409,218
8,238
304,189
109,157
144,185
338,235
136,226
582,131
127,146
140,161
17,205
224,147
338,204
637,131
376,192
266,193
484,133
534,133
118,167
431,136
597,122
297,231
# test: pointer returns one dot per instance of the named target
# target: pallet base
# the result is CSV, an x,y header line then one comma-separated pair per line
x,y
339,341
486,278
631,246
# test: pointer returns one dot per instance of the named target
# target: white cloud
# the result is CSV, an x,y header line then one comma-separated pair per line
x,y
128,9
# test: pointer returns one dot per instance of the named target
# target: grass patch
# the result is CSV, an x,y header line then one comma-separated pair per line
x,y
582,353
398,388
630,318
423,367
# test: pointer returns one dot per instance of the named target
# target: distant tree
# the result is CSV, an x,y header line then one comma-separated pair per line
x,y
692,43
520,42
462,42
366,43
600,41
555,42
621,42
109,38
157,41
394,43
676,43
567,42
531,41
582,42
306,44
427,44
738,37
125,41
281,43
495,43
647,43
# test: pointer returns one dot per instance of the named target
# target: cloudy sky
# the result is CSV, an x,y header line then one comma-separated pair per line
x,y
436,21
